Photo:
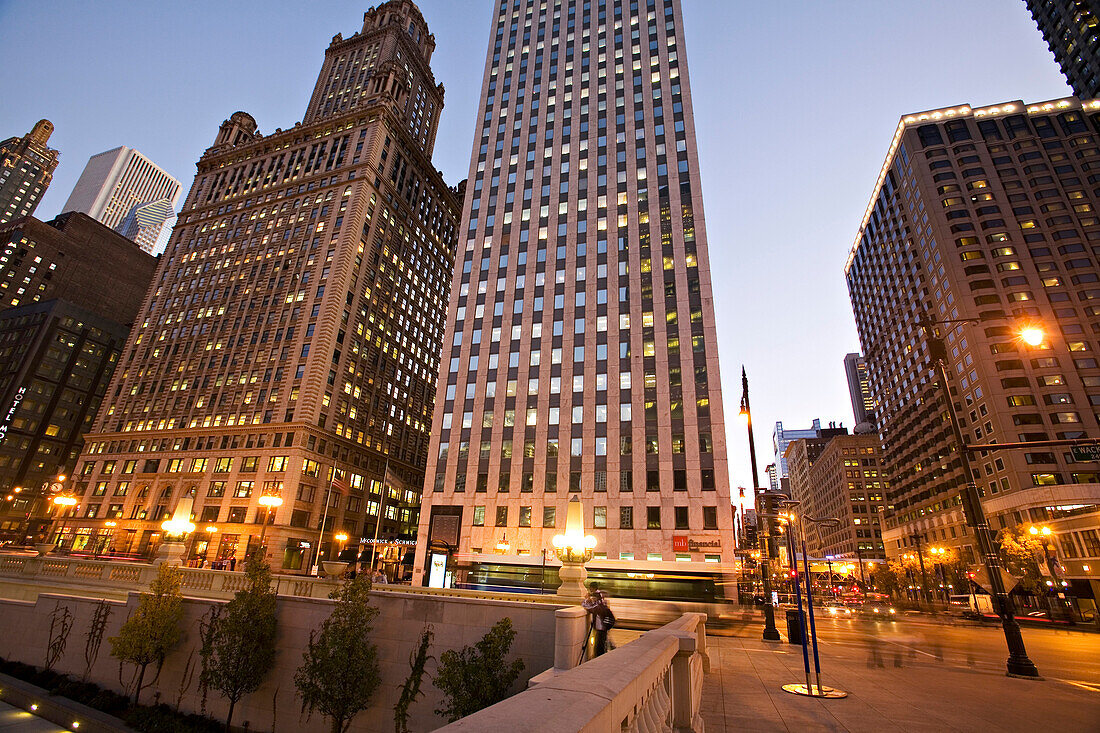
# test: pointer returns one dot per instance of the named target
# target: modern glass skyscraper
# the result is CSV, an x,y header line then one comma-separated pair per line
x,y
580,357
289,344
128,192
1072,30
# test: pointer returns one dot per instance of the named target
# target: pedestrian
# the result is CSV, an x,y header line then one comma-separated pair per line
x,y
378,577
233,563
603,619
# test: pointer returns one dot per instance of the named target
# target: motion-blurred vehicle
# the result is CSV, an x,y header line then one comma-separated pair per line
x,y
878,609
836,609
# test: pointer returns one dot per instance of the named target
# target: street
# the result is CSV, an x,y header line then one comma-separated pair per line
x,y
907,675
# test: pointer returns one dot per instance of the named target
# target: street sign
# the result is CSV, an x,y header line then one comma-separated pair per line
x,y
1085,453
981,577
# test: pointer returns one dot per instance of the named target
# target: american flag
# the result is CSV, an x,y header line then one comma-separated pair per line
x,y
339,483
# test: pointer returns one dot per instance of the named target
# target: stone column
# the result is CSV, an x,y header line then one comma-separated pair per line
x,y
683,704
570,625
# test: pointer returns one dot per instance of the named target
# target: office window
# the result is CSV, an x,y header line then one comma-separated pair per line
x,y
479,516
525,516
549,516
502,516
710,517
599,517
653,517
681,516
626,517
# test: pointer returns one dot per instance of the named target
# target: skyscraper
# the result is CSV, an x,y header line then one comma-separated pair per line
x,y
289,345
1072,30
859,389
26,168
986,218
580,358
781,438
128,192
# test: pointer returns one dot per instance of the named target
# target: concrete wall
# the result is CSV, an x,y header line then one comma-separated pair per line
x,y
276,706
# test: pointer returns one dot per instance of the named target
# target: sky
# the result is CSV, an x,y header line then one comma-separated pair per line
x,y
795,105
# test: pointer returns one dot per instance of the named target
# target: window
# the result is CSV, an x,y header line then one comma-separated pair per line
x,y
599,517
681,516
710,517
653,517
502,516
626,517
210,513
243,490
525,516
549,516
236,514
479,516
249,464
277,463
223,465
217,488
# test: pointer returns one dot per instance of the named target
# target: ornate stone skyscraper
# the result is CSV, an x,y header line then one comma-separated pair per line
x,y
290,341
26,168
580,358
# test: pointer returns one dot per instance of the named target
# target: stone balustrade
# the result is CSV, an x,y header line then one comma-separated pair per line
x,y
652,684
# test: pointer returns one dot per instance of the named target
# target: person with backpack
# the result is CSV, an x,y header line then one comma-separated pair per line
x,y
603,620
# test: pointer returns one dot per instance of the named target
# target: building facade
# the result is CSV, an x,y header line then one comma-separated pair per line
x,y
26,168
128,192
987,214
840,475
289,344
859,389
60,340
71,257
1071,29
580,358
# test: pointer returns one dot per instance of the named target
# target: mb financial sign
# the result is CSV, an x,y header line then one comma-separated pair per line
x,y
690,544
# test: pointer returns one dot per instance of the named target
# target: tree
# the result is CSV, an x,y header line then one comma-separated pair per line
x,y
411,689
477,677
153,629
339,672
241,647
1021,554
890,578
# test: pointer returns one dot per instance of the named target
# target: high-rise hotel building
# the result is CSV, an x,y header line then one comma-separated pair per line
x,y
292,332
991,214
580,357
1071,29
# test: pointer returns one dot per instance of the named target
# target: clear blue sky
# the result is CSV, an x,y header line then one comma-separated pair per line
x,y
795,104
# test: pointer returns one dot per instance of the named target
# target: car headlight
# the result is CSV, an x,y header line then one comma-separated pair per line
x,y
893,611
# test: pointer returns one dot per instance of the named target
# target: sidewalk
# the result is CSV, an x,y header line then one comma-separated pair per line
x,y
743,692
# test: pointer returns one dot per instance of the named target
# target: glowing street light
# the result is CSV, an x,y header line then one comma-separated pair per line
x,y
270,502
1032,335
574,549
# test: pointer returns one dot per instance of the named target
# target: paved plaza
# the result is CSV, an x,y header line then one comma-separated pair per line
x,y
14,720
904,676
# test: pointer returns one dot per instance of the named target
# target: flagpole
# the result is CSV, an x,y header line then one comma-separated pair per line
x,y
378,520
324,518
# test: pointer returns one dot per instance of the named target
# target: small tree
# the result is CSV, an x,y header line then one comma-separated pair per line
x,y
339,671
242,639
889,577
411,689
1021,555
153,629
477,677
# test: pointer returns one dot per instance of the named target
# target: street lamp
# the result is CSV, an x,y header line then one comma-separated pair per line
x,y
1018,662
763,524
63,502
574,549
270,502
340,537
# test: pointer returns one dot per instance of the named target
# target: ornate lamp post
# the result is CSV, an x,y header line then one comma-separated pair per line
x,y
574,549
763,524
63,503
270,502
175,531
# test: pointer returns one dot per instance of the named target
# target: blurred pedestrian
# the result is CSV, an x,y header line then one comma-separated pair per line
x,y
603,620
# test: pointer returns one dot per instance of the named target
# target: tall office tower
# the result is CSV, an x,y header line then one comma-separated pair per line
x,y
128,192
26,169
1072,30
580,357
839,475
59,343
859,389
781,438
292,332
987,214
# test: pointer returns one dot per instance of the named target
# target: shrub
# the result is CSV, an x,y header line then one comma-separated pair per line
x,y
477,677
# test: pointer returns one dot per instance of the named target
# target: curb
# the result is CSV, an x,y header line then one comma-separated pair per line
x,y
58,710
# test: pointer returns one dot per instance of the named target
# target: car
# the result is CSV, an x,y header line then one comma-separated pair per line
x,y
878,610
836,609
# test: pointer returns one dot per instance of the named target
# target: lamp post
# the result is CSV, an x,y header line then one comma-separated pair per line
x,y
574,549
63,503
270,502
862,580
1018,663
176,530
763,523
